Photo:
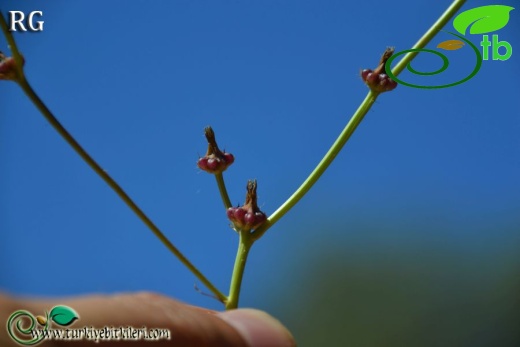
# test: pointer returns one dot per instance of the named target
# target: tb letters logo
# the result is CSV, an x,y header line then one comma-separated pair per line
x,y
480,20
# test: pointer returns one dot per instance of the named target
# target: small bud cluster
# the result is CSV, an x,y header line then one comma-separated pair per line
x,y
377,79
247,216
215,160
8,70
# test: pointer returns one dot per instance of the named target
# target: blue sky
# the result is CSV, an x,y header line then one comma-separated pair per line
x,y
137,82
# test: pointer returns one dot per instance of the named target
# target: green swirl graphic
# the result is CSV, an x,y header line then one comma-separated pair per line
x,y
445,64
16,319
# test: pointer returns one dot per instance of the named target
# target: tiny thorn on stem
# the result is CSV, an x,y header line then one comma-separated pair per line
x,y
198,290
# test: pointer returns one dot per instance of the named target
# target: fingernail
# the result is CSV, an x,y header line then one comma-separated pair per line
x,y
258,328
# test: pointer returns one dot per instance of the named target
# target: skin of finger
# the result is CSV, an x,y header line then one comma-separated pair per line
x,y
7,306
188,325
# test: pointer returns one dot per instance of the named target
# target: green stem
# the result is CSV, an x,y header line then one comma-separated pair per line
x,y
429,35
29,91
222,189
322,166
24,84
353,123
244,245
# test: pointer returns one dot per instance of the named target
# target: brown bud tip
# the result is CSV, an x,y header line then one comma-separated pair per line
x,y
210,136
389,51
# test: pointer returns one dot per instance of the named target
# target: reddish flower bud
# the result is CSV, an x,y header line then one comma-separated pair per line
x,y
8,69
215,161
378,80
248,216
239,215
229,158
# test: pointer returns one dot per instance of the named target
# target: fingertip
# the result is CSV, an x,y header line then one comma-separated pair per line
x,y
258,328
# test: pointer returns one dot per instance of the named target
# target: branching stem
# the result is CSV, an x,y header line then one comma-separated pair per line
x,y
40,105
354,122
246,238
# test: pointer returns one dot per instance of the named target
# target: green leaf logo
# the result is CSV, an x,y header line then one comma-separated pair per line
x,y
63,315
482,20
